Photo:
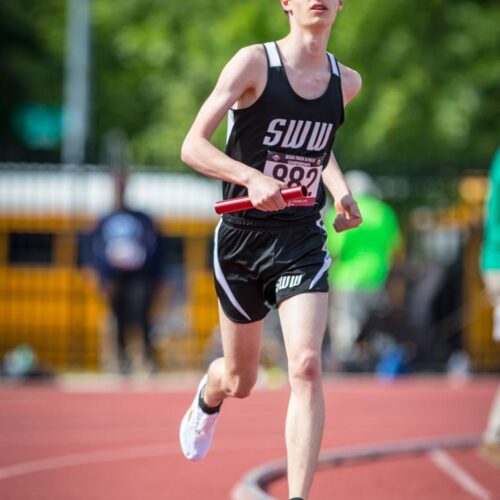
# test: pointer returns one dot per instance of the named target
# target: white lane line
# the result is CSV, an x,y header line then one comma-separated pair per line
x,y
91,457
121,454
444,462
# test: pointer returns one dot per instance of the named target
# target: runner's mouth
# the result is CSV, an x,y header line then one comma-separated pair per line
x,y
319,7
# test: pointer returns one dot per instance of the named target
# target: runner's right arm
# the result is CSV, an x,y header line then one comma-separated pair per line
x,y
237,81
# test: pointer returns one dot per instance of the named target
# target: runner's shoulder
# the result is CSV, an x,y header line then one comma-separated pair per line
x,y
251,58
351,82
247,68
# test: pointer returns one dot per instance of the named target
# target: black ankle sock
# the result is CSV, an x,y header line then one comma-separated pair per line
x,y
209,410
296,498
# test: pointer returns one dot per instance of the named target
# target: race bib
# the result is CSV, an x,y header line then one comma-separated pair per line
x,y
294,170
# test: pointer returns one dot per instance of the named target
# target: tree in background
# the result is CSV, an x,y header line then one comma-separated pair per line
x,y
430,70
31,69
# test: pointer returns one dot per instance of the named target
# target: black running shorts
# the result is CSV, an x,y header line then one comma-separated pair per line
x,y
256,267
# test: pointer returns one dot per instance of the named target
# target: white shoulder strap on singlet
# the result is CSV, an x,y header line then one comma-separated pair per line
x,y
272,54
334,64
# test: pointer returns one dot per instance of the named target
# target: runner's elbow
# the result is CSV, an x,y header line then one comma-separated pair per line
x,y
187,152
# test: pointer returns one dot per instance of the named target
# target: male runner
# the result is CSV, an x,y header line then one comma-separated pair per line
x,y
285,101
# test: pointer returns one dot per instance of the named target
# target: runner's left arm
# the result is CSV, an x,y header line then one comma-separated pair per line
x,y
348,215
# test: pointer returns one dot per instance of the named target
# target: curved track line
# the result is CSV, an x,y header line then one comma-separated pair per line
x,y
89,457
121,454
252,486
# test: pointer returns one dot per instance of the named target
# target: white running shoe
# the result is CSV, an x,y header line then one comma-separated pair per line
x,y
197,428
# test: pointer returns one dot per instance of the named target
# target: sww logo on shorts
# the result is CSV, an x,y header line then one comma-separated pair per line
x,y
288,281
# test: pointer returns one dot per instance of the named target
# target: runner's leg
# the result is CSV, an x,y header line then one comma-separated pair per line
x,y
235,374
303,319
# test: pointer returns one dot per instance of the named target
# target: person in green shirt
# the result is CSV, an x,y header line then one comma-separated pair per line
x,y
490,268
362,261
490,255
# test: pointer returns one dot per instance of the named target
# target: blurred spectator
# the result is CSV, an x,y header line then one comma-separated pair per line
x,y
490,267
125,252
21,363
362,261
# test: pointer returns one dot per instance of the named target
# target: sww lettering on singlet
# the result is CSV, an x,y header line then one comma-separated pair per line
x,y
288,281
295,134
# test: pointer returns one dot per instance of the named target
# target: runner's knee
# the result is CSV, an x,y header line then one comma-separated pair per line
x,y
306,367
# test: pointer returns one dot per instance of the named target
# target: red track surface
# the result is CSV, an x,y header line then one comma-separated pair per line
x,y
121,443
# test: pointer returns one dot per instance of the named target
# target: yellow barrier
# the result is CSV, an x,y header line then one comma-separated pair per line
x,y
57,309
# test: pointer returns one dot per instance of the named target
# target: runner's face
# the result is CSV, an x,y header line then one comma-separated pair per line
x,y
312,12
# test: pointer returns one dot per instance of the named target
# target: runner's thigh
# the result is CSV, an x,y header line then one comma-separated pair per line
x,y
241,343
303,321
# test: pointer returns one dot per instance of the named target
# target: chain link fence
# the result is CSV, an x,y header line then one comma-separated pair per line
x,y
51,300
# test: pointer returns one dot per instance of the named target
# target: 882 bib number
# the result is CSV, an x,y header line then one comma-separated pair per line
x,y
294,171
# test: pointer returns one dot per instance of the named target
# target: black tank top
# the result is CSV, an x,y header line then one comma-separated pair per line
x,y
287,137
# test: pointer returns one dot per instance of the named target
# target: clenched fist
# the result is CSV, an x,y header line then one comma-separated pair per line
x,y
348,214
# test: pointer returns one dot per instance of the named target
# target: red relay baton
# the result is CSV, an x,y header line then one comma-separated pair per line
x,y
244,203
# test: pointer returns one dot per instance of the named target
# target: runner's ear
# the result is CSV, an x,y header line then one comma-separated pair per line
x,y
285,6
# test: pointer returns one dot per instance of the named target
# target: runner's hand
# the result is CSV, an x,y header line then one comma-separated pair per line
x,y
348,214
265,195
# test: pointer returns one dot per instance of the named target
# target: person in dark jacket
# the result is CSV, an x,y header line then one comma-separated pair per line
x,y
125,253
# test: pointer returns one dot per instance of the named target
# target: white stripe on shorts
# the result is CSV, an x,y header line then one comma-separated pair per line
x,y
326,262
219,276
